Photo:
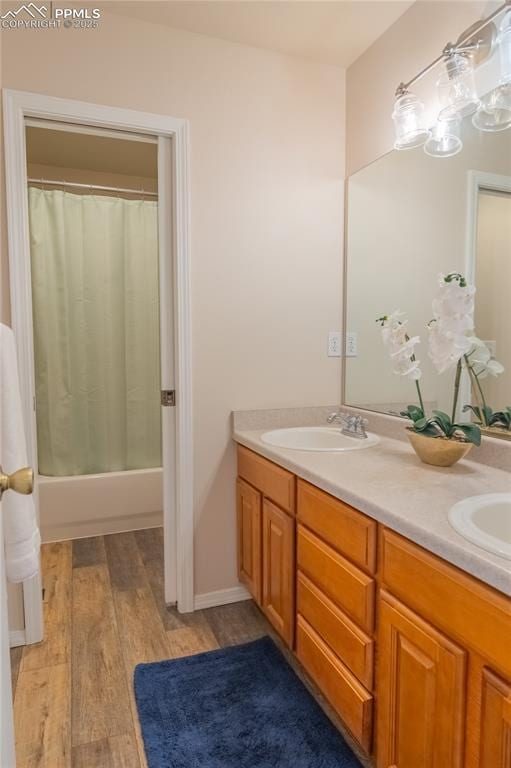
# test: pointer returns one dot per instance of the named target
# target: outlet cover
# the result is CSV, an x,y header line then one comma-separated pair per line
x,y
334,344
351,344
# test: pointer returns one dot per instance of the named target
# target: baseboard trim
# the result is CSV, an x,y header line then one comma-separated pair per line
x,y
17,638
221,597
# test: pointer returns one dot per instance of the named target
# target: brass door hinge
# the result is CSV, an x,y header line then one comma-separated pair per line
x,y
168,397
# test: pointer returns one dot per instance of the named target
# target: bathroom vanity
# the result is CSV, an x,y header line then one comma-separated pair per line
x,y
411,651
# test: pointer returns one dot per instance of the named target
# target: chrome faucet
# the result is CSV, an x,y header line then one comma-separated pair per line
x,y
354,426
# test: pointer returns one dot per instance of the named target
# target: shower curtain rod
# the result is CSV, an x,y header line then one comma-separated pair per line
x,y
92,186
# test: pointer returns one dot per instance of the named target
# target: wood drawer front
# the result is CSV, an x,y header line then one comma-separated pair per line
x,y
481,617
352,645
344,583
348,697
343,527
276,483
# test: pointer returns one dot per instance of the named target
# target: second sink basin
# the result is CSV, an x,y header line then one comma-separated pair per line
x,y
316,439
486,521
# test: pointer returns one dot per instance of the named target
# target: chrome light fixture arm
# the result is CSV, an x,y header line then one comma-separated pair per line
x,y
468,43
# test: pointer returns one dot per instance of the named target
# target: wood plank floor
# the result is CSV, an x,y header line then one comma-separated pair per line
x,y
105,613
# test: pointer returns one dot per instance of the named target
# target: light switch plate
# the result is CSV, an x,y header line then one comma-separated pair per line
x,y
351,344
334,344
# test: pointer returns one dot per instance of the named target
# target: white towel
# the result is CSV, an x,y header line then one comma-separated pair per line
x,y
21,533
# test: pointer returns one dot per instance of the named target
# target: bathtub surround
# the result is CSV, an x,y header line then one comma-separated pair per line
x,y
93,505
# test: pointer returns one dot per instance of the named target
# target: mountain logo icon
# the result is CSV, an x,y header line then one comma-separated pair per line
x,y
31,9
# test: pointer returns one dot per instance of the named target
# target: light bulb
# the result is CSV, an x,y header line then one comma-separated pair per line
x,y
444,140
456,88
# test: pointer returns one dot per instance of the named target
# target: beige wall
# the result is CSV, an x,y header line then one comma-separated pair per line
x,y
267,138
415,39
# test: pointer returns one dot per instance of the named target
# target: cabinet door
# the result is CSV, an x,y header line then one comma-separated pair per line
x,y
249,538
495,722
278,569
421,692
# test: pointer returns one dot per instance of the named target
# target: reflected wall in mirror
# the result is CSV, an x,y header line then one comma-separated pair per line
x,y
409,218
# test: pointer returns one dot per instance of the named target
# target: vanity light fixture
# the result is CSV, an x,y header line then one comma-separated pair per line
x,y
457,90
494,113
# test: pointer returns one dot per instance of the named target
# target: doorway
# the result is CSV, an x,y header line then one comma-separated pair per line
x,y
93,224
160,206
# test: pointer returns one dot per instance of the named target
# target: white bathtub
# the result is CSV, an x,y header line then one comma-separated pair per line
x,y
92,505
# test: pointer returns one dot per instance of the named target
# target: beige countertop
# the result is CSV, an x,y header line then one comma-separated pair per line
x,y
391,485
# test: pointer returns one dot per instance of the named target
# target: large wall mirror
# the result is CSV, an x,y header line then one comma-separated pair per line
x,y
409,218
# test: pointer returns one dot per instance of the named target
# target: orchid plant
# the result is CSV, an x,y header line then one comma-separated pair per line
x,y
452,344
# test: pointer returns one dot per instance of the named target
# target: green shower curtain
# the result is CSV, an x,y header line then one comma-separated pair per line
x,y
96,332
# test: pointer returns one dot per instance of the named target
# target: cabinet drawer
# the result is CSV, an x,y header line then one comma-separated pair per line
x,y
352,645
344,583
348,697
482,616
344,528
274,482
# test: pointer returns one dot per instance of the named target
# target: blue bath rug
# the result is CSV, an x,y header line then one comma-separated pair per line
x,y
239,707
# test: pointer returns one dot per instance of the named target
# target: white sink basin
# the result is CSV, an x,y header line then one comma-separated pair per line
x,y
486,521
317,439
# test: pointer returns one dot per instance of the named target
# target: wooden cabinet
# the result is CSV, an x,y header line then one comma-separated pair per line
x,y
278,548
266,538
421,692
249,538
495,736
437,660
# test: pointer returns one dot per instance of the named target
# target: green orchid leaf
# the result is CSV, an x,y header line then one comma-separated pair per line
x,y
501,418
488,413
413,412
444,422
475,410
430,426
471,432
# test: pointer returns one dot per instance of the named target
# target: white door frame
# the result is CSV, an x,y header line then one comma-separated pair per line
x,y
174,234
476,180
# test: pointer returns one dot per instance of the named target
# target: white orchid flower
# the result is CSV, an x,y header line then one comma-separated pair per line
x,y
400,345
453,317
481,360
